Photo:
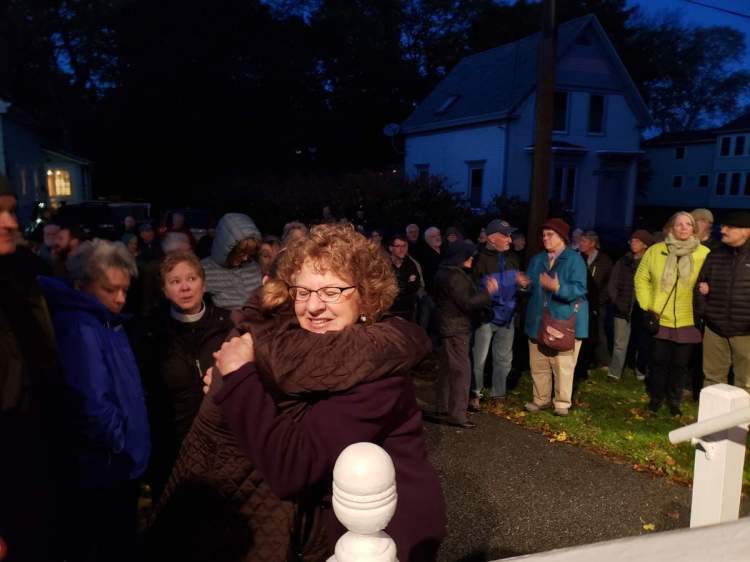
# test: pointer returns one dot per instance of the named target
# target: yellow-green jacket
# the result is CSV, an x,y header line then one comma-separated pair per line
x,y
650,295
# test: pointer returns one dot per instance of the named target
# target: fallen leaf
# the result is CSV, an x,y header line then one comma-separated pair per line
x,y
670,461
562,436
649,527
673,515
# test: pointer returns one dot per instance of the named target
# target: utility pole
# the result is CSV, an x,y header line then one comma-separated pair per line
x,y
545,97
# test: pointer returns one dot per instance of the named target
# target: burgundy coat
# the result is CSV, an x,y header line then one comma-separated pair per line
x,y
217,504
296,456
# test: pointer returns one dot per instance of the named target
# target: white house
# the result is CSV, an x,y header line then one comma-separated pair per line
x,y
37,174
707,168
476,128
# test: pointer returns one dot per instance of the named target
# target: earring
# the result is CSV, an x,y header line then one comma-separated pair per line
x,y
362,318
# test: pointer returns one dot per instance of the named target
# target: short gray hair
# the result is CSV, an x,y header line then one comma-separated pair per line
x,y
288,227
174,241
93,258
593,236
431,231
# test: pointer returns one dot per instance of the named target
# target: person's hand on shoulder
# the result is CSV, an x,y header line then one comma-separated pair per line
x,y
234,354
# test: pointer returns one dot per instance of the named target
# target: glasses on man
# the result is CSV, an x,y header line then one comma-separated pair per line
x,y
325,294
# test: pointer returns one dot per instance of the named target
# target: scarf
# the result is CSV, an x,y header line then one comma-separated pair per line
x,y
675,265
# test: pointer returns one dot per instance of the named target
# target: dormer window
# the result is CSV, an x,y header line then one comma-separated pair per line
x,y
446,105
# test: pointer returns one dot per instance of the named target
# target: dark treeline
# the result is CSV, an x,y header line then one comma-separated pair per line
x,y
198,101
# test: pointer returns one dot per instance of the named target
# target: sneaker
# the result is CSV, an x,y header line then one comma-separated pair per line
x,y
640,376
611,377
561,412
532,407
463,425
474,405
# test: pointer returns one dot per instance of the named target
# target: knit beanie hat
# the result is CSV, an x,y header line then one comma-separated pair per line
x,y
558,225
644,236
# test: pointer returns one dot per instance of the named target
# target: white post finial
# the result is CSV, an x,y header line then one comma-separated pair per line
x,y
717,479
364,500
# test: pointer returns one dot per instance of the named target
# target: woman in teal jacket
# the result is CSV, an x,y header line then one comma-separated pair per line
x,y
557,277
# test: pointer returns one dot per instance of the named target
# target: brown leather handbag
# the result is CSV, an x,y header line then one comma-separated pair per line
x,y
558,335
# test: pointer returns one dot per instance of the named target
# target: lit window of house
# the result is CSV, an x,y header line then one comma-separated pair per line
x,y
58,183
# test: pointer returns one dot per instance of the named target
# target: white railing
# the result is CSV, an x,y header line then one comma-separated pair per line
x,y
720,436
364,500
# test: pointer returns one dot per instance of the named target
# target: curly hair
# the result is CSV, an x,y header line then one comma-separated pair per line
x,y
347,253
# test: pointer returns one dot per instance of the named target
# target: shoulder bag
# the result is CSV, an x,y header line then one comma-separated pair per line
x,y
651,318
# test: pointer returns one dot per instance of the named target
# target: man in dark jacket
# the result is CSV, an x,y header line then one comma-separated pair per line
x,y
30,390
628,318
495,260
599,265
723,301
407,276
458,301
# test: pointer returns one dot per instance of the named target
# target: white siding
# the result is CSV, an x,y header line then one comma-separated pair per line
x,y
448,153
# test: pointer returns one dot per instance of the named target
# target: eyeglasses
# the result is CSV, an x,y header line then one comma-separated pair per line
x,y
325,294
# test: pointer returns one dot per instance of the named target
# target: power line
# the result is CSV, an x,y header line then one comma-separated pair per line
x,y
718,9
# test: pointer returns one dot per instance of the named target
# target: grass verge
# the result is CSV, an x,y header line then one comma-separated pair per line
x,y
611,419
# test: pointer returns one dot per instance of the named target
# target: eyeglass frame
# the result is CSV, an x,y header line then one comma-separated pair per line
x,y
292,290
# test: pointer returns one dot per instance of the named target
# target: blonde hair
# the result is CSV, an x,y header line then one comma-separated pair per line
x,y
347,253
673,219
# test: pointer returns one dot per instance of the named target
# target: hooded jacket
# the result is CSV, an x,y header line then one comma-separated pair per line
x,y
503,266
109,435
231,287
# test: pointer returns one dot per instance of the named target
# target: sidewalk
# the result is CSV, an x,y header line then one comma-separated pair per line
x,y
510,491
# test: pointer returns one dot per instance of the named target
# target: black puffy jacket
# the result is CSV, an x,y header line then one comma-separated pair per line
x,y
726,308
621,289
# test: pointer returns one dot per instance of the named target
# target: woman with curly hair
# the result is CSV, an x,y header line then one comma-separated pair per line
x,y
315,370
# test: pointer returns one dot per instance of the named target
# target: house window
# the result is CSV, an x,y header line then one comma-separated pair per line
x,y
734,185
596,114
721,184
58,183
703,180
676,181
560,121
739,146
564,187
747,183
726,145
423,172
679,153
476,181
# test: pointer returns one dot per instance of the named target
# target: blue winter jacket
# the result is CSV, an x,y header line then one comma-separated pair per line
x,y
110,433
571,271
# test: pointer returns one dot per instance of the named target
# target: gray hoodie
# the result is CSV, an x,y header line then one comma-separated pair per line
x,y
231,287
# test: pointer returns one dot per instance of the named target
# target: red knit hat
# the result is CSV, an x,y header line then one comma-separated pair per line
x,y
559,226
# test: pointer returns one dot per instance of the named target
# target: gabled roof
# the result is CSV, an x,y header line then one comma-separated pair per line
x,y
682,137
742,123
490,85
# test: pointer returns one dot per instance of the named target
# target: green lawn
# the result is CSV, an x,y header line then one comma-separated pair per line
x,y
611,418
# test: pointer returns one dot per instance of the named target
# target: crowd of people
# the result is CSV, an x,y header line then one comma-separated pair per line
x,y
228,373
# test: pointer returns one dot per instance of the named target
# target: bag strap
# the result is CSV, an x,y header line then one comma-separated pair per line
x,y
668,296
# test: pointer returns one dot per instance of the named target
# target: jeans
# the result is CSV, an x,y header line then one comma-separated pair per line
x,y
500,338
620,348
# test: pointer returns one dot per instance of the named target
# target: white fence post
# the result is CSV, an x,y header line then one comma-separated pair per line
x,y
719,458
364,500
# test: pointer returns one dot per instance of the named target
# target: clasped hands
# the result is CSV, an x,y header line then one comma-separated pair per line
x,y
232,355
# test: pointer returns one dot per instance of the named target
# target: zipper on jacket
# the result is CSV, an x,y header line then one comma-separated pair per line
x,y
198,368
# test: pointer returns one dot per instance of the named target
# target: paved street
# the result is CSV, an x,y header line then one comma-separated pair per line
x,y
510,491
